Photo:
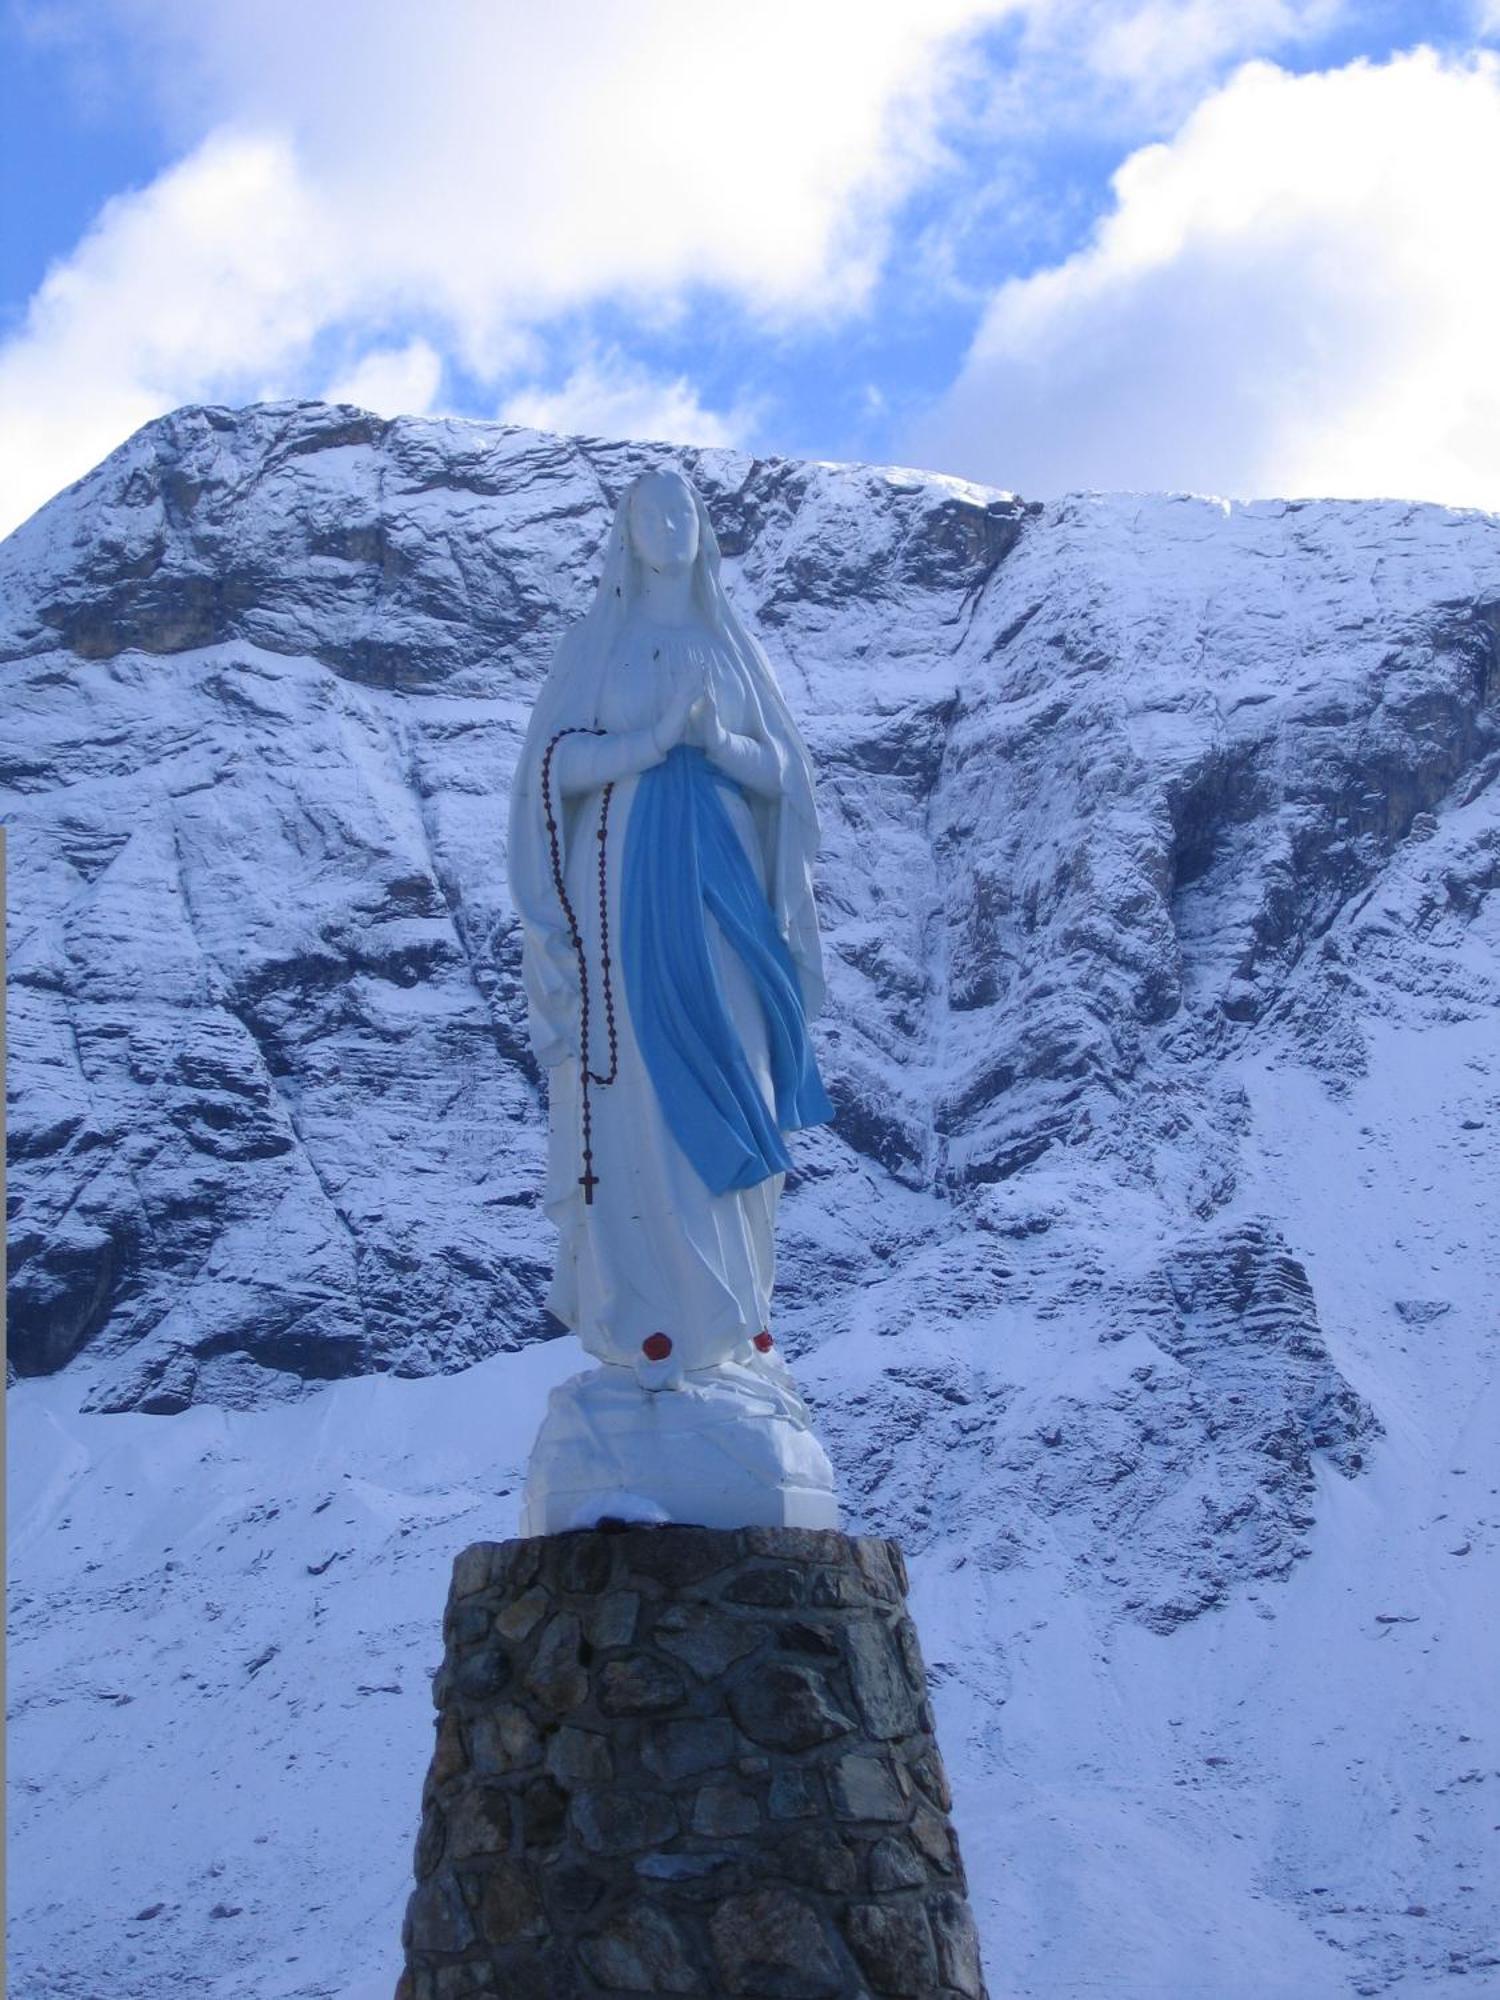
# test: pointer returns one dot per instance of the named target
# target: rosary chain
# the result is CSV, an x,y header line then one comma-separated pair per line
x,y
587,1076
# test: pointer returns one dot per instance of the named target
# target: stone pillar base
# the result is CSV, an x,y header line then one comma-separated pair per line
x,y
676,1760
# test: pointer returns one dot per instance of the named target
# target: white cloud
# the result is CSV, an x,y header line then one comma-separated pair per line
x,y
503,153
465,171
214,270
438,191
1158,42
391,381
1298,294
1095,70
608,395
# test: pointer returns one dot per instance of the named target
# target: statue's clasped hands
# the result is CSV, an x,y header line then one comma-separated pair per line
x,y
704,727
691,717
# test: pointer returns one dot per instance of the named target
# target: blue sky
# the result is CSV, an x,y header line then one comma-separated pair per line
x,y
1244,248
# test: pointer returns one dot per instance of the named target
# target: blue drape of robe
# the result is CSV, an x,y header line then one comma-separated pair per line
x,y
683,858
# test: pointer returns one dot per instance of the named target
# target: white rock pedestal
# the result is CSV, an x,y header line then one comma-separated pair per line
x,y
688,1761
727,1447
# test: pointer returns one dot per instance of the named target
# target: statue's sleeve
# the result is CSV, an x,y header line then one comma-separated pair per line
x,y
750,762
582,762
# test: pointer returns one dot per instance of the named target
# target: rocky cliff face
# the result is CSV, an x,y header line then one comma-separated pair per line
x,y
1160,839
1113,792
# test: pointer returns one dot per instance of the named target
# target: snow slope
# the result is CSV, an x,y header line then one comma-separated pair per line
x,y
1144,1284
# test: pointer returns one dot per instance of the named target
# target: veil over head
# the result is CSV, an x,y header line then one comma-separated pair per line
x,y
569,699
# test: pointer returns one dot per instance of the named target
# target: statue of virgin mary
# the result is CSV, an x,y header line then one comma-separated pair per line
x,y
662,836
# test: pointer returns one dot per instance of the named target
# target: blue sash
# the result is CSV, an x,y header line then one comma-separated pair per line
x,y
682,858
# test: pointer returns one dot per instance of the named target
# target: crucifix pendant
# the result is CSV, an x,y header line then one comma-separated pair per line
x,y
588,1180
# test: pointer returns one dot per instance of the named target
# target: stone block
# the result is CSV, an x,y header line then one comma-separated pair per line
x,y
928,1771
580,1563
813,1638
619,1822
467,1624
521,1616
448,1757
881,1688
513,1566
777,1585
911,1654
505,1901
796,1793
430,1842
934,1837
503,1738
894,1864
579,1757
544,1812
682,1867
641,1951
674,1750
676,1558
612,1620
957,1943
639,1685
705,1640
571,1890
440,1921
556,1677
454,1982
804,1545
816,1857
786,1707
894,1947
478,1822
531,1971
481,1674
865,1787
834,1589
471,1570
772,1945
873,1558
721,1811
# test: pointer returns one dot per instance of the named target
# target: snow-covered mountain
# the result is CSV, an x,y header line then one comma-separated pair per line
x,y
1144,1285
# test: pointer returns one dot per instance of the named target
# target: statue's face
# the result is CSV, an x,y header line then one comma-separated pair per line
x,y
664,522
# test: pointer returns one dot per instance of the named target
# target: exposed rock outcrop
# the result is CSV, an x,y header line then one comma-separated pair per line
x,y
1117,795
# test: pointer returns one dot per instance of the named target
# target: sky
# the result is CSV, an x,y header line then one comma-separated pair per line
x,y
1249,248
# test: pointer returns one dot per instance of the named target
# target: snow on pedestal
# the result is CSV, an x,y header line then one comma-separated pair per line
x,y
726,1447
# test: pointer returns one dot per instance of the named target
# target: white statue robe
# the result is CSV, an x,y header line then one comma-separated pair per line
x,y
656,1251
